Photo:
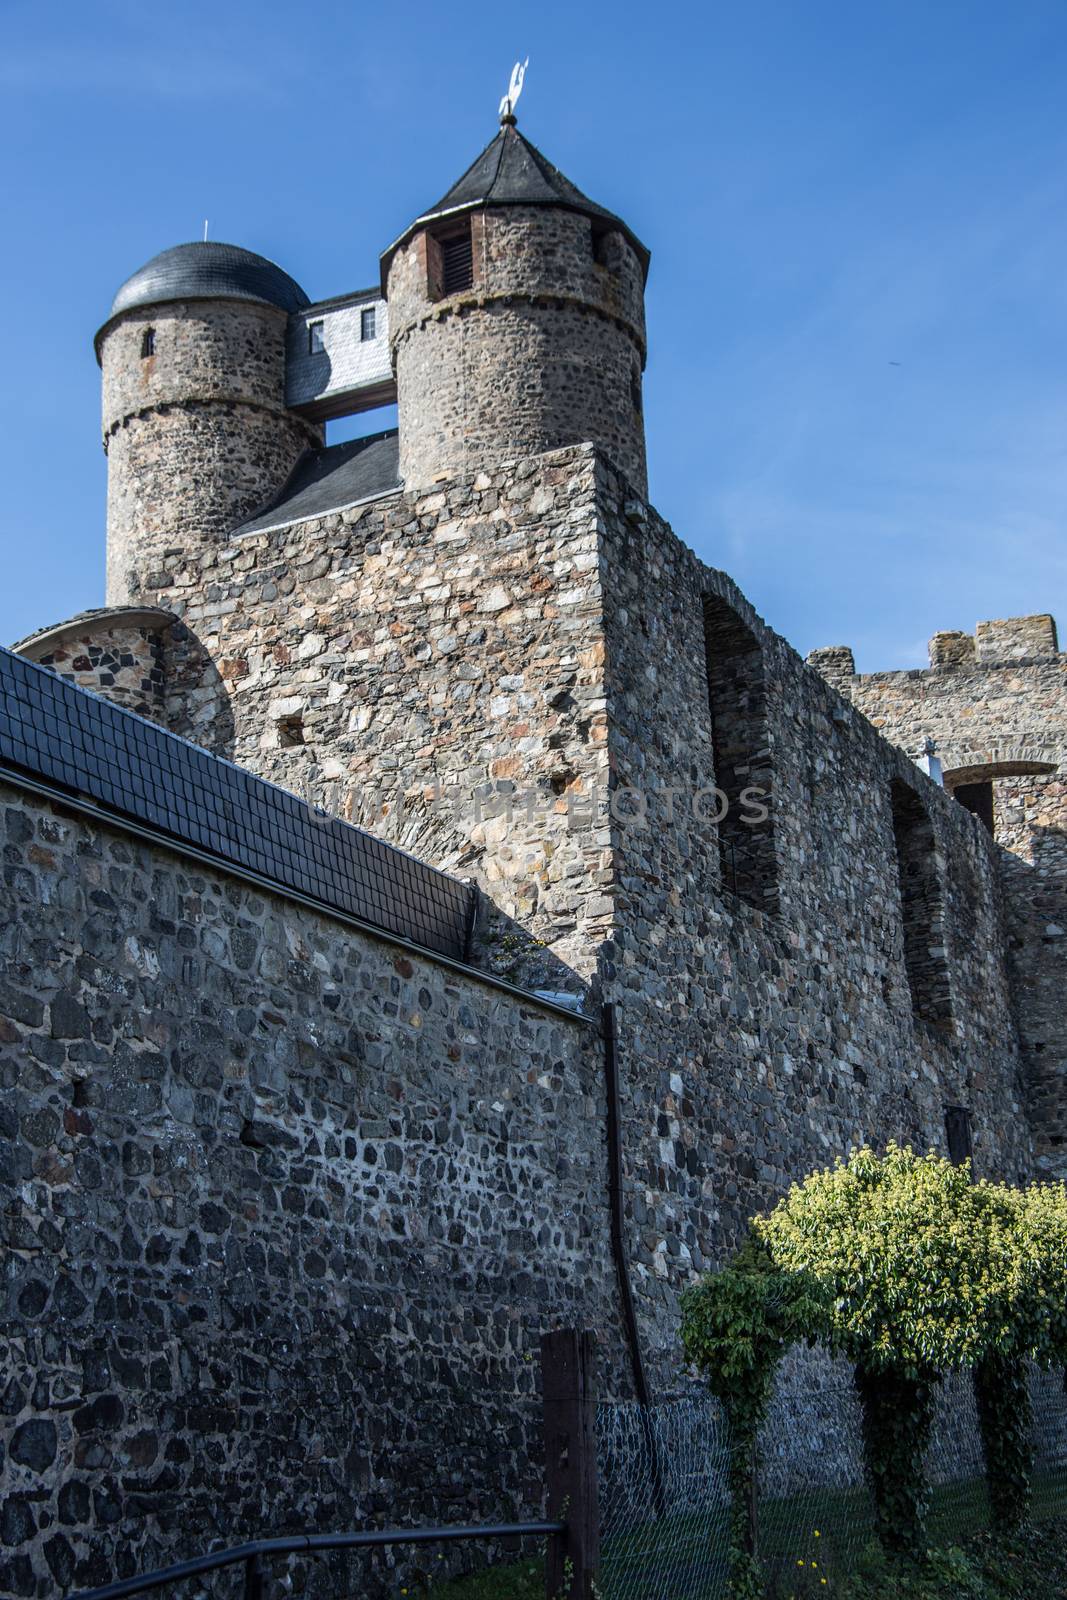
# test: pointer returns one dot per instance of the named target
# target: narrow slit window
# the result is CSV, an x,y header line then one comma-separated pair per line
x,y
922,905
148,343
958,1134
737,701
316,338
368,323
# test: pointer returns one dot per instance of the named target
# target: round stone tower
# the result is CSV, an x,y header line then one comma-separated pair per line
x,y
516,318
196,428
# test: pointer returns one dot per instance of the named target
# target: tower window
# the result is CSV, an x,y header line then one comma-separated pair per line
x,y
958,1134
368,323
148,343
922,908
741,754
457,262
635,390
316,338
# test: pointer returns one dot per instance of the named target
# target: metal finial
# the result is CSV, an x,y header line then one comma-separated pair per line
x,y
507,105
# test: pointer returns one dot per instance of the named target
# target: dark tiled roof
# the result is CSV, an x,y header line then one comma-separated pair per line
x,y
207,270
74,743
329,480
512,172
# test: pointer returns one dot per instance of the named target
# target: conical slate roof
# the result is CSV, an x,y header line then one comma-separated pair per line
x,y
512,172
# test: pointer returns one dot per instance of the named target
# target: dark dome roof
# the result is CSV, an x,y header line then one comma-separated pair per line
x,y
512,172
207,270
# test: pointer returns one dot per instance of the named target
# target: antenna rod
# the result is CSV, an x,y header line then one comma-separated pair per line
x,y
205,230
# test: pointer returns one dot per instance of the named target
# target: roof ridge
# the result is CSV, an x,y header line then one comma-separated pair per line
x,y
501,139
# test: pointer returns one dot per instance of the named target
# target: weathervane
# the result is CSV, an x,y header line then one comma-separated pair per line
x,y
507,105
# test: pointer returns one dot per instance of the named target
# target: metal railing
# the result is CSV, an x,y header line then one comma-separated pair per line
x,y
256,1554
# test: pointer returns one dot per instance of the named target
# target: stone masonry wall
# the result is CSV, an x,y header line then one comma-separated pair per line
x,y
120,656
285,1211
535,633
430,666
995,704
197,433
756,1045
546,349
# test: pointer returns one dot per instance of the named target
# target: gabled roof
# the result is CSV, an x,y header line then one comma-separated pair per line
x,y
512,172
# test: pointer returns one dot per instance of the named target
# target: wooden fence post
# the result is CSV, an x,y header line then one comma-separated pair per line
x,y
567,1379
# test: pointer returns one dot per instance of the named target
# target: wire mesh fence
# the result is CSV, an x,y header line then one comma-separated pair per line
x,y
665,1503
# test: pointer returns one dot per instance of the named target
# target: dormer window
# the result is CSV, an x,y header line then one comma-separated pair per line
x,y
368,323
148,343
316,338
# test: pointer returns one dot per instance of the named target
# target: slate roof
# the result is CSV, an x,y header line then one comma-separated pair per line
x,y
76,744
330,479
207,270
512,172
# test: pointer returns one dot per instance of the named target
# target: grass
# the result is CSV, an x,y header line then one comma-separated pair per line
x,y
690,1553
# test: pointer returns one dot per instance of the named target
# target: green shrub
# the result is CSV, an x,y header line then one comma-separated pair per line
x,y
736,1326
925,1274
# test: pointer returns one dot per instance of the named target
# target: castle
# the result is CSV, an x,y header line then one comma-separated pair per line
x,y
304,1129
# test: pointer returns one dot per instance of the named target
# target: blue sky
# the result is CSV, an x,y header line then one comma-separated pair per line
x,y
857,386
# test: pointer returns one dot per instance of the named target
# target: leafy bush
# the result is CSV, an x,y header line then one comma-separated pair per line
x,y
927,1272
922,1264
736,1326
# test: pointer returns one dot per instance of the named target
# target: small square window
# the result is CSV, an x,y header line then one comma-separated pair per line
x,y
368,323
316,339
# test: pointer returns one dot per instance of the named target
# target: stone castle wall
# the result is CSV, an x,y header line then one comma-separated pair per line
x,y
505,674
286,1212
197,433
431,667
546,349
120,654
995,703
533,635
764,1033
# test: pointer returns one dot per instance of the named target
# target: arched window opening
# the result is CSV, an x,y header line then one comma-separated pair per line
x,y
975,787
977,798
148,343
737,701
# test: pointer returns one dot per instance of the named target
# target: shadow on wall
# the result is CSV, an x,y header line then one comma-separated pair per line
x,y
197,692
1035,895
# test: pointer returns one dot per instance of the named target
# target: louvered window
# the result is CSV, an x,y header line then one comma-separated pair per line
x,y
457,262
